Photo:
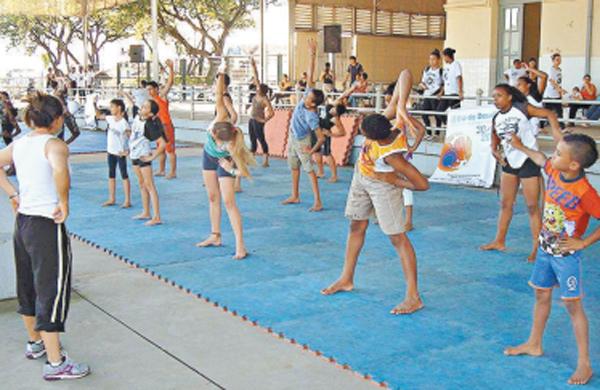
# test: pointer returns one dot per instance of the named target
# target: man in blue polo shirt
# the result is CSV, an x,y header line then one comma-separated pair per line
x,y
300,149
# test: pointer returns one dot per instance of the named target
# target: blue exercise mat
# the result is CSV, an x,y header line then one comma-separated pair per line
x,y
477,302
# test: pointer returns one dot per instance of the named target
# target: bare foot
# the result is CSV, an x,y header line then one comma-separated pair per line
x,y
493,246
316,207
241,254
408,227
524,349
159,174
321,175
171,176
126,205
213,240
291,200
238,190
333,179
582,375
109,203
153,222
338,286
408,306
142,216
266,164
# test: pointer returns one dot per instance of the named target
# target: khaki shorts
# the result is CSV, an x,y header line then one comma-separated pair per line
x,y
368,197
297,155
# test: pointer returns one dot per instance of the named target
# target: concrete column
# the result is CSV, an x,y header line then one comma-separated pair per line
x,y
472,29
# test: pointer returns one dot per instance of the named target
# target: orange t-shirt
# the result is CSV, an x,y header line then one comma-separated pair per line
x,y
568,205
163,112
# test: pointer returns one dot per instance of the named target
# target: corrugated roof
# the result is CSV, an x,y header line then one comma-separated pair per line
x,y
56,7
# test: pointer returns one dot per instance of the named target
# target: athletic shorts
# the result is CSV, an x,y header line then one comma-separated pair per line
x,y
527,170
562,272
43,265
325,148
170,133
368,197
210,163
136,162
297,154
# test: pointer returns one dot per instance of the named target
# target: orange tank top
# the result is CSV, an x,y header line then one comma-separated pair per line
x,y
163,112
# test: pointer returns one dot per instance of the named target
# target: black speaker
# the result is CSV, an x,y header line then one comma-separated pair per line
x,y
332,37
136,54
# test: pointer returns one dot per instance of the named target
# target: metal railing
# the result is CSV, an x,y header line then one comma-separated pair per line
x,y
194,96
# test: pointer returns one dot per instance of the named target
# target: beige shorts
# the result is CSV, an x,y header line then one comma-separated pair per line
x,y
368,197
297,155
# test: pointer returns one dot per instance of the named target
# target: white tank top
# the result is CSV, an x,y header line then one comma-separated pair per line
x,y
37,191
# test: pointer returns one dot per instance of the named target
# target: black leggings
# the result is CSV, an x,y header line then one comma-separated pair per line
x,y
444,104
257,133
113,160
430,105
558,109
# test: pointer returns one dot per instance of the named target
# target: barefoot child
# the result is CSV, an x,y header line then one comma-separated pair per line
x,y
225,157
147,128
332,126
116,148
514,117
304,120
570,200
262,112
383,150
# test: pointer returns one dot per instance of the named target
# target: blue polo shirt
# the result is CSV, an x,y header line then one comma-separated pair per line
x,y
304,120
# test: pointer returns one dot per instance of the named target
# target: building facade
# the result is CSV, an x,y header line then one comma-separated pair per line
x,y
489,34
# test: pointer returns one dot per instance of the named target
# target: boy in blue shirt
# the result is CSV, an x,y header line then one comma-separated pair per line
x,y
305,120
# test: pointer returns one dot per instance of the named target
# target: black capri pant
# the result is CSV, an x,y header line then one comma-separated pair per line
x,y
444,104
257,134
113,161
430,104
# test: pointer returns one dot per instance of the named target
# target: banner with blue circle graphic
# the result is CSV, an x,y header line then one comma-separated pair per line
x,y
466,156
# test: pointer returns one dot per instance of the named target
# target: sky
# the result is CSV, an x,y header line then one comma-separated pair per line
x,y
276,33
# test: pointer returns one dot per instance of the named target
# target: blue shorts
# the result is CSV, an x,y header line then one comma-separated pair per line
x,y
210,163
562,272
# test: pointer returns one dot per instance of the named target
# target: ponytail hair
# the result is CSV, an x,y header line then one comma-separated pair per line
x,y
517,96
42,110
436,53
241,155
533,88
449,52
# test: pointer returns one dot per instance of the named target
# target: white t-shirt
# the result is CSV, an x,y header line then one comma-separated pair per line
x,y
433,80
535,121
139,145
514,74
556,75
140,95
515,121
451,73
116,142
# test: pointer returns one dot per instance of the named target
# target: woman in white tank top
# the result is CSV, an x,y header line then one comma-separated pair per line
x,y
41,242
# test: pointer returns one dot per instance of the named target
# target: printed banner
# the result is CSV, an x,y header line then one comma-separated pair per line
x,y
466,157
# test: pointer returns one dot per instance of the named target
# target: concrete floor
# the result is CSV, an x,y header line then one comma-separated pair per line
x,y
167,340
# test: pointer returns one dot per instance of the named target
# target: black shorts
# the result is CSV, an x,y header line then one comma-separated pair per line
x,y
325,148
43,265
527,170
210,163
136,162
